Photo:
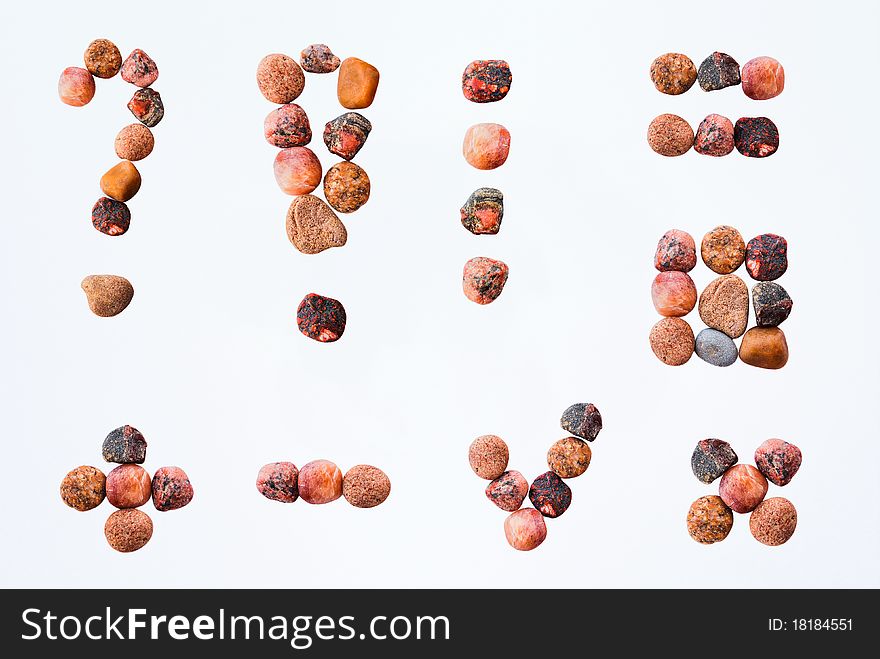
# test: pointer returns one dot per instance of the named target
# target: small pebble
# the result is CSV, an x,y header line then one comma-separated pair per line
x,y
297,170
346,134
107,295
711,458
346,187
312,226
486,81
76,86
773,522
488,456
318,58
121,182
672,340
715,348
486,146
128,530
778,460
483,211
280,78
125,445
139,69
670,135
483,279
569,457
772,304
724,305
756,137
319,482
134,142
714,136
582,420
171,488
102,58
675,251
321,318
146,105
764,347
279,481
365,486
767,257
357,83
525,529
128,486
718,71
550,495
111,217
723,249
742,488
709,520
673,293
763,78
508,491
673,73
287,126
84,488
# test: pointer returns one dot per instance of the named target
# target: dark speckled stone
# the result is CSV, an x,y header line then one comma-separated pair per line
x,y
550,495
582,420
711,458
772,304
125,445
718,71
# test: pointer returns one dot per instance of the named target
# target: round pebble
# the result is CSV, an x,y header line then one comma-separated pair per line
x,y
675,251
672,340
280,78
346,187
569,457
102,58
756,137
121,182
297,170
125,445
723,249
772,304
670,135
764,347
508,491
318,58
711,458
715,348
357,83
673,294
486,146
312,226
673,73
278,481
134,142
320,482
767,257
763,78
483,211
525,529
718,71
321,318
488,456
742,488
172,489
76,86
287,126
550,495
84,488
582,420
486,81
709,520
483,279
111,217
714,136
346,134
139,69
146,106
724,305
778,460
128,486
773,522
365,486
107,295
128,530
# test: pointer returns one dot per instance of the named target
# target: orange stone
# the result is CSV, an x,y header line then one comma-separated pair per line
x,y
297,170
486,146
76,86
357,83
763,78
764,347
121,182
320,481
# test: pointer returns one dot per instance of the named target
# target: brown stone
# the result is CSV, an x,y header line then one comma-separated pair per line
x,y
672,340
724,305
312,226
83,488
346,187
673,293
122,181
102,58
488,456
569,457
280,78
670,135
673,73
365,486
107,295
764,347
128,530
357,83
709,520
773,522
134,142
723,249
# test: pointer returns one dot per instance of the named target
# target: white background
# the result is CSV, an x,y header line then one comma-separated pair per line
x,y
208,363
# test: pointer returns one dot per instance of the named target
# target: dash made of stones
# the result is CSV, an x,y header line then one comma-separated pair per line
x,y
761,78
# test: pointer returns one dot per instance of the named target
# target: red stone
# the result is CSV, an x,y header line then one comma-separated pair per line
x,y
146,105
319,482
128,486
484,279
321,318
742,488
763,78
486,81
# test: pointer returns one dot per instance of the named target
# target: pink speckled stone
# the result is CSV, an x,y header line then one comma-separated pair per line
x,y
279,481
486,146
76,86
778,460
742,488
171,488
297,170
525,529
674,294
763,78
320,481
139,69
483,279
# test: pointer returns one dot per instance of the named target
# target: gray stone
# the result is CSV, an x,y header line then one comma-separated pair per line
x,y
715,347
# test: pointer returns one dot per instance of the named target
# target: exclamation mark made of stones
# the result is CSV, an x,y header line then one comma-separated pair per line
x,y
109,295
485,147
